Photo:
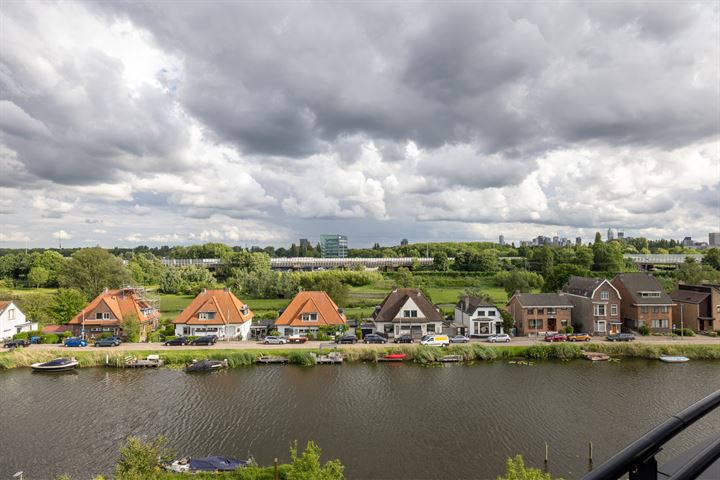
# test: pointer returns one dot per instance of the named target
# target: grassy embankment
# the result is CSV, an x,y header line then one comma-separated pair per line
x,y
417,354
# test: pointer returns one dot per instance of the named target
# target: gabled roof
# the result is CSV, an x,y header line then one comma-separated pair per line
x,y
390,307
643,282
4,305
585,286
542,300
228,309
120,302
689,296
327,311
57,329
469,304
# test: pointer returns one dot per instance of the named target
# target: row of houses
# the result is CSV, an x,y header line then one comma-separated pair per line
x,y
596,306
627,302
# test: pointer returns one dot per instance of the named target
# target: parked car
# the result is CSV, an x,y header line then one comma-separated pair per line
x,y
579,337
374,338
499,337
177,341
346,339
76,342
459,339
297,339
436,340
108,342
274,340
621,337
205,340
17,343
403,339
556,337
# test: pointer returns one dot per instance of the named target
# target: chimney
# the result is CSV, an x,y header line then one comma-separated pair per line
x,y
204,290
105,290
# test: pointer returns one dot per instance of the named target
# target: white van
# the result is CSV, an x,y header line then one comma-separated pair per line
x,y
435,340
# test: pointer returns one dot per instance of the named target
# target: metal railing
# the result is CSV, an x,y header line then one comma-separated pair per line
x,y
638,458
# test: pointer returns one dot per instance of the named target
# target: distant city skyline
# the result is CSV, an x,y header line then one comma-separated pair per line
x,y
152,123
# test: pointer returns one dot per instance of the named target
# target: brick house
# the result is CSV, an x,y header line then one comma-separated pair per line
x,y
105,313
643,302
215,312
596,305
539,313
406,311
309,311
697,306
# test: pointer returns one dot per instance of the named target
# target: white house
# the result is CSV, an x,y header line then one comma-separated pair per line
x,y
480,318
406,311
12,321
215,312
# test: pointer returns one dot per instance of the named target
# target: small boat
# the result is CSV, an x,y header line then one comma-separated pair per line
x,y
205,365
673,359
393,357
57,365
331,358
206,464
596,356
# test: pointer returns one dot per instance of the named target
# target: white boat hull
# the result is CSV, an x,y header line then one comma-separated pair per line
x,y
39,367
674,359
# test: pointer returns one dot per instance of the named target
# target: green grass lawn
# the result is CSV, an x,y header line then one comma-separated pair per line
x,y
27,291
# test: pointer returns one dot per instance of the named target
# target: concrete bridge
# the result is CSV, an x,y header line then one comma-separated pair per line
x,y
648,261
309,263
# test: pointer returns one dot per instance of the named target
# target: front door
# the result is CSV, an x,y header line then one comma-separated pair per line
x,y
614,328
552,324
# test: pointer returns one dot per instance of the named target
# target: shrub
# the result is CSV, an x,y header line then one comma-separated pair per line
x,y
21,336
538,351
156,336
684,331
67,334
50,338
644,330
301,358
106,334
516,470
140,459
358,334
569,329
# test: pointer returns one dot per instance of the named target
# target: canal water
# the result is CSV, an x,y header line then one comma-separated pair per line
x,y
388,421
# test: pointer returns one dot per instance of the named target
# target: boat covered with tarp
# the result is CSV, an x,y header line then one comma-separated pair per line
x,y
206,365
206,464
56,365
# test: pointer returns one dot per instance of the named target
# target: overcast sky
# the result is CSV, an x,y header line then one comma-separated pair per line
x,y
184,122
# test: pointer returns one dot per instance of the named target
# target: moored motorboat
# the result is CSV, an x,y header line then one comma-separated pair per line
x,y
596,356
205,365
56,365
393,357
206,464
673,359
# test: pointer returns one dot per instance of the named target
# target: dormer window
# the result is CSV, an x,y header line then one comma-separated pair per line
x,y
604,295
650,294
410,313
206,315
481,313
102,315
309,317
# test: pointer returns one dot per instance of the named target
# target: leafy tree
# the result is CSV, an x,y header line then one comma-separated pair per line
x,y
53,262
66,303
91,270
141,460
560,275
508,322
404,278
441,262
145,268
475,292
608,257
38,277
516,470
598,238
543,260
518,281
584,256
712,258
171,281
693,273
337,290
307,466
130,326
36,307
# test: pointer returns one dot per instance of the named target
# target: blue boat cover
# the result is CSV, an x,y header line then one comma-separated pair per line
x,y
212,464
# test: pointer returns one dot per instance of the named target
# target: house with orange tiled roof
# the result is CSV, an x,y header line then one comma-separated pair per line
x,y
309,311
105,313
215,312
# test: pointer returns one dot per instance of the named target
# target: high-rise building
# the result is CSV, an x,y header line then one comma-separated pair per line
x,y
714,239
688,242
610,234
304,242
333,246
621,234
578,241
501,240
404,242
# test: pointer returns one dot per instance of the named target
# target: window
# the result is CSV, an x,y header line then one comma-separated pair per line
x,y
431,328
552,311
601,326
541,311
309,317
206,315
563,322
655,309
102,315
661,323
530,311
599,310
11,314
643,309
410,313
650,294
613,309
535,324
604,295
481,313
663,309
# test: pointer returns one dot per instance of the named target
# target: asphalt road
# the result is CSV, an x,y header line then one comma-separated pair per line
x,y
254,345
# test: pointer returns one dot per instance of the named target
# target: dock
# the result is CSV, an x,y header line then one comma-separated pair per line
x,y
152,361
330,358
272,359
596,356
452,358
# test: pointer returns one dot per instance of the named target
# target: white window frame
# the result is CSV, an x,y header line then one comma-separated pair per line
x,y
597,307
660,323
535,323
602,326
614,309
410,313
309,317
11,314
604,295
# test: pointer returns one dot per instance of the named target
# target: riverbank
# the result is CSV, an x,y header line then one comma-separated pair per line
x,y
415,353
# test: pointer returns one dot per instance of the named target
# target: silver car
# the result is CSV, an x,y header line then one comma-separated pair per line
x,y
459,339
499,337
271,340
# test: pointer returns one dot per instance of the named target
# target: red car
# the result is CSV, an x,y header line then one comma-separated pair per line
x,y
558,337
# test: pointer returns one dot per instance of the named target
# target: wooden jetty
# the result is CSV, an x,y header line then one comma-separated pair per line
x,y
272,359
596,356
452,358
152,361
330,358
